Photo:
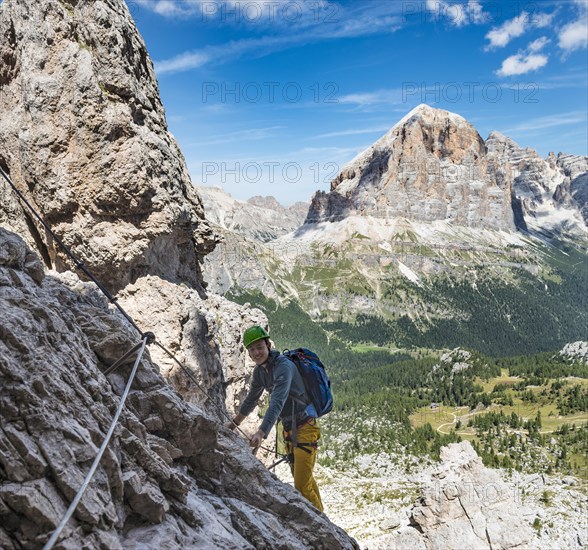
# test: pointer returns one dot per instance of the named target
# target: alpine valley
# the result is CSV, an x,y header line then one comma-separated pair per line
x,y
432,237
443,281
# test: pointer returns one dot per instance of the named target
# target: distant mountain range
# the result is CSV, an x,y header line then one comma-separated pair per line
x,y
441,236
259,218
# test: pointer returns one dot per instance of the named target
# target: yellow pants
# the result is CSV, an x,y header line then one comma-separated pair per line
x,y
304,459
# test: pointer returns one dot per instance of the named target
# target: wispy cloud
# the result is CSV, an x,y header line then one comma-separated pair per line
x,y
251,134
573,79
459,14
286,15
171,8
233,50
392,96
551,121
501,36
539,44
356,132
513,28
299,23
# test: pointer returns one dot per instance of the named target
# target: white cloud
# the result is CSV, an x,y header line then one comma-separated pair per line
x,y
355,21
331,17
251,134
391,96
539,44
171,8
576,78
182,62
476,11
223,52
574,36
542,20
460,14
521,64
501,36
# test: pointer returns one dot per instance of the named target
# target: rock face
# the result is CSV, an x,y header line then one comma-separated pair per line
x,y
576,351
205,335
258,219
552,193
430,166
573,191
84,137
433,165
171,477
250,231
466,506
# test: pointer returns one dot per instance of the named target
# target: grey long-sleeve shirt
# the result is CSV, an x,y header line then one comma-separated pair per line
x,y
279,376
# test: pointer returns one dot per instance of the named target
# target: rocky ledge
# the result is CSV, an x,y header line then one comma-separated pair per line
x,y
171,477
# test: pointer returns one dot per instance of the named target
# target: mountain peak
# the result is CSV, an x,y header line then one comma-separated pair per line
x,y
495,134
430,166
425,112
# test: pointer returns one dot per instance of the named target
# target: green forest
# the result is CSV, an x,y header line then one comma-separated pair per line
x,y
377,391
499,311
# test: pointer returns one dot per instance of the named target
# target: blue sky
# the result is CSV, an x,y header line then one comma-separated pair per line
x,y
273,97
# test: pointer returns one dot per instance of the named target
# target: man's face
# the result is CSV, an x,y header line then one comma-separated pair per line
x,y
258,351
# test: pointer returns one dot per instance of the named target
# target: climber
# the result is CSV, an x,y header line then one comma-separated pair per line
x,y
288,403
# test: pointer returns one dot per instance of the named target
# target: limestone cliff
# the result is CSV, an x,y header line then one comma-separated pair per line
x,y
466,505
172,476
84,136
432,165
551,193
85,140
261,219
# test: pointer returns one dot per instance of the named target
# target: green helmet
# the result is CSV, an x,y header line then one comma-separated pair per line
x,y
253,334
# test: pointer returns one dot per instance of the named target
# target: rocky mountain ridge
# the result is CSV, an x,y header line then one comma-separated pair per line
x,y
260,219
551,192
434,166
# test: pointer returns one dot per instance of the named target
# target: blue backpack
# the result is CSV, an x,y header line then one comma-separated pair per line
x,y
316,382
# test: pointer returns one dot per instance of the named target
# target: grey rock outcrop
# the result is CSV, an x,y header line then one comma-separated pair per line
x,y
205,335
551,193
432,165
260,219
171,477
576,351
250,231
84,136
573,191
466,506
